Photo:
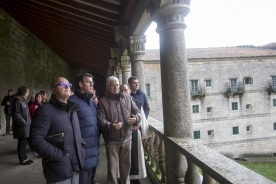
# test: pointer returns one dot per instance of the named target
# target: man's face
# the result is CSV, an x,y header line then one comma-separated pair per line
x,y
125,89
113,87
10,93
61,90
134,85
86,85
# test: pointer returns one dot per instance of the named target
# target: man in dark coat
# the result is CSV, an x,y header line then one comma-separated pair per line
x,y
55,135
138,94
7,102
87,114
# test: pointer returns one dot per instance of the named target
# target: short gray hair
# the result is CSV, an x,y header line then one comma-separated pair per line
x,y
111,78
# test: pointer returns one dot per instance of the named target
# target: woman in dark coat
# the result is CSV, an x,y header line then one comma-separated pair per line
x,y
21,123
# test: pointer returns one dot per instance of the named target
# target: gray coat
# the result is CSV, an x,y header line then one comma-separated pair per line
x,y
111,109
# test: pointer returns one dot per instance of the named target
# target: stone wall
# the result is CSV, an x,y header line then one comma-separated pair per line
x,y
25,60
260,117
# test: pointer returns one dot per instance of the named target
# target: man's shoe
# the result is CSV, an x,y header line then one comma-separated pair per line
x,y
29,160
25,162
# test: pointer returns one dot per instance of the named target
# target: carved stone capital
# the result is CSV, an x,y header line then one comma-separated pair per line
x,y
137,43
121,33
125,63
171,16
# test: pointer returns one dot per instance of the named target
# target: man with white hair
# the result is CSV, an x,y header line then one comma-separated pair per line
x,y
116,114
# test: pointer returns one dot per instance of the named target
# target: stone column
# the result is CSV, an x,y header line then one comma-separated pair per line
x,y
169,17
137,52
119,73
125,65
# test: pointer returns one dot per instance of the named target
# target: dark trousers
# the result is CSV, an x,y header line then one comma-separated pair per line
x,y
8,123
87,176
21,149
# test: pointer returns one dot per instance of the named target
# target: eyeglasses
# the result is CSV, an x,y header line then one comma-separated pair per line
x,y
63,84
91,82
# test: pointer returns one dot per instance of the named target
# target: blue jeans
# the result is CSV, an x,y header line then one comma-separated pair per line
x,y
73,180
88,175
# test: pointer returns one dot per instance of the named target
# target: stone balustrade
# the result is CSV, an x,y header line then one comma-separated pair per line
x,y
215,167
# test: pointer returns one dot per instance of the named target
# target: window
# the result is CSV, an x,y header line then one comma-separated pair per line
x,y
209,109
249,128
274,126
274,102
197,134
208,83
195,109
248,106
148,91
207,66
273,82
234,85
210,133
235,130
235,106
245,64
247,80
194,86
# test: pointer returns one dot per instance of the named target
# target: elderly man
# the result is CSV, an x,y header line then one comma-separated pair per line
x,y
87,114
116,114
56,136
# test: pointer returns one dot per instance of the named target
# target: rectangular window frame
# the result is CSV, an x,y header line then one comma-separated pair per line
x,y
209,109
274,126
235,106
194,86
195,109
248,106
208,83
274,102
148,92
249,128
273,82
235,130
234,85
210,133
247,81
196,134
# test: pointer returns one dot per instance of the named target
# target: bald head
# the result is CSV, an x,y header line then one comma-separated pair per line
x,y
61,88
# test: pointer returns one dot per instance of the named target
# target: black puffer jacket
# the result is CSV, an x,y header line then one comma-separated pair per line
x,y
21,120
55,135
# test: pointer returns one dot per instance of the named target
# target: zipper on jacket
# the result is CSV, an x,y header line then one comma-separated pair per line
x,y
62,135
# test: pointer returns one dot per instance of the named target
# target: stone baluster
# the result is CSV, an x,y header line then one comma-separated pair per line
x,y
151,150
207,179
156,156
162,166
126,66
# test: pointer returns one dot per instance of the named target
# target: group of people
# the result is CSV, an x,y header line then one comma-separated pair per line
x,y
65,131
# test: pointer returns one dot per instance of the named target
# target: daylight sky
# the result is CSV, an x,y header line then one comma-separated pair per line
x,y
222,23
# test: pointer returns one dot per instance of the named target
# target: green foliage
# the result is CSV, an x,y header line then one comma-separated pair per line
x,y
246,46
267,169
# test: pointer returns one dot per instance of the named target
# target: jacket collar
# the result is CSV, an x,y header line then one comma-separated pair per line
x,y
138,92
21,98
84,96
69,107
113,97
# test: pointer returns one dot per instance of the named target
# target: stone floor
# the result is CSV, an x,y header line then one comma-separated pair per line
x,y
12,172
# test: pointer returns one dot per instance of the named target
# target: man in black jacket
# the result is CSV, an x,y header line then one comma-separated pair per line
x,y
55,135
7,102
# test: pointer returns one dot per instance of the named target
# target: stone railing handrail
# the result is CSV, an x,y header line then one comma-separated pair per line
x,y
216,165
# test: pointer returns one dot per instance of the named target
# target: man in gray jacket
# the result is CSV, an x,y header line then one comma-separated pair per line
x,y
116,114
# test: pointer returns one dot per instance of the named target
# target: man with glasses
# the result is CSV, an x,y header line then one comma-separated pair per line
x,y
55,135
87,114
116,114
